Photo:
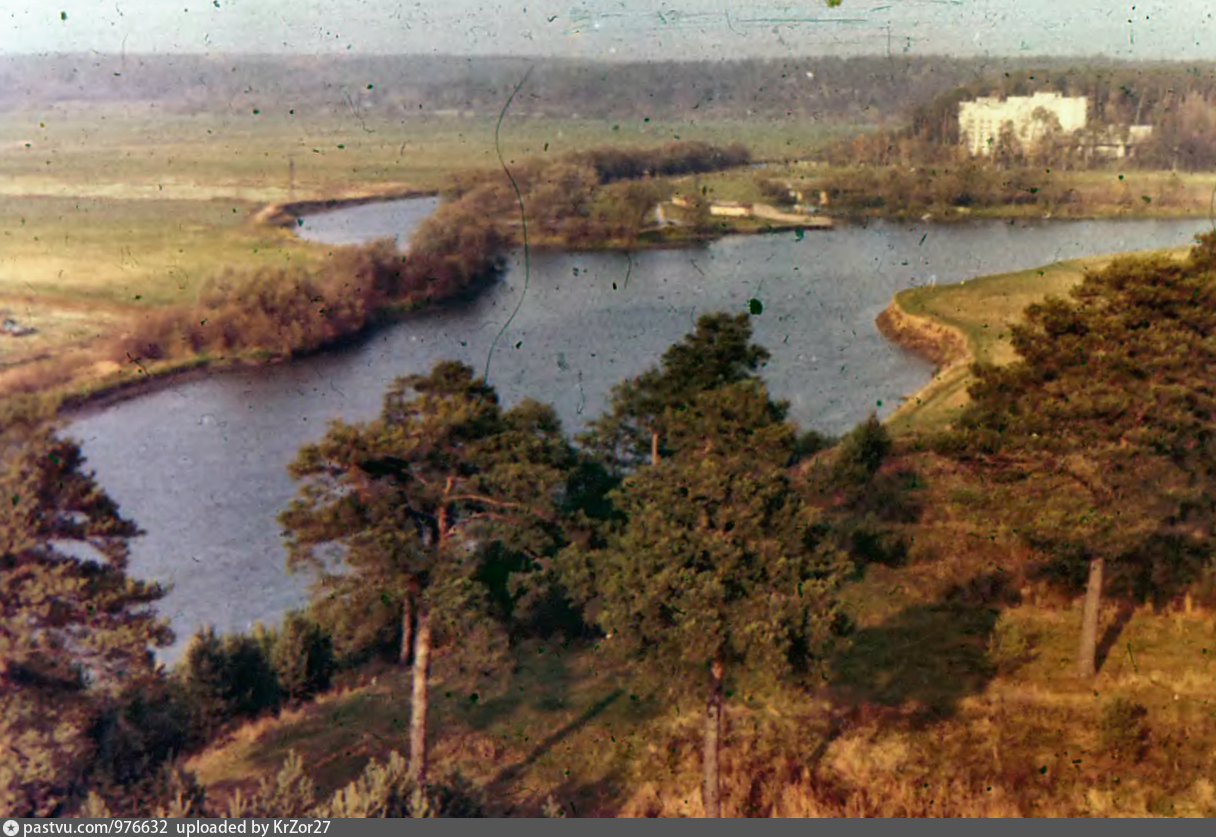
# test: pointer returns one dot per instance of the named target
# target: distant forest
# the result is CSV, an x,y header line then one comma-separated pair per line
x,y
862,90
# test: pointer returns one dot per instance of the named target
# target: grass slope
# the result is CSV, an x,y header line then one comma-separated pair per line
x,y
917,721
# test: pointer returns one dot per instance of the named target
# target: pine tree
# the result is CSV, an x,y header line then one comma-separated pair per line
x,y
644,409
717,566
1113,396
415,495
302,657
74,627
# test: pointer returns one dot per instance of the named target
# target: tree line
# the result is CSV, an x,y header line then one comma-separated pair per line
x,y
1176,99
859,90
587,199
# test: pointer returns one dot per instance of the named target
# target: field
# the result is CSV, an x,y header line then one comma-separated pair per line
x,y
108,213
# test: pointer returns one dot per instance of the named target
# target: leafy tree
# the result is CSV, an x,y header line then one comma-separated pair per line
x,y
718,565
644,409
1113,398
74,627
414,497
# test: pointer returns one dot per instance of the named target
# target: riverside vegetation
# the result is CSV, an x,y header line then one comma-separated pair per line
x,y
694,608
890,623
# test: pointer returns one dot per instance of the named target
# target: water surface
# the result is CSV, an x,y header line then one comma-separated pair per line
x,y
202,466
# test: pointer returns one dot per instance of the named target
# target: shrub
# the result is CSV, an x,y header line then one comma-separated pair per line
x,y
1009,646
227,679
386,790
302,657
138,734
1123,728
860,454
291,793
551,810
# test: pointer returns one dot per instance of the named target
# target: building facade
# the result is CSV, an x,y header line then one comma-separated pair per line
x,y
980,121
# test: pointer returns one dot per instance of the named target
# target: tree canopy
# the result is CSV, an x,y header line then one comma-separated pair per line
x,y
1112,396
416,499
74,626
645,410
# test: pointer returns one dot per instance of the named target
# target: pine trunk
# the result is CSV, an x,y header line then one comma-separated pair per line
x,y
1086,659
407,630
422,665
654,448
713,741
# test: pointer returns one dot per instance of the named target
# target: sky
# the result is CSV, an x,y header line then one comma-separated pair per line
x,y
615,29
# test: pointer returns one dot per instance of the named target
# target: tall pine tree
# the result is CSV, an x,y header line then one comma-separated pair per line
x,y
1112,396
717,566
416,496
637,428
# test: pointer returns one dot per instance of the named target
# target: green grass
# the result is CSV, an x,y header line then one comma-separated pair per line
x,y
128,208
126,152
560,719
982,310
131,251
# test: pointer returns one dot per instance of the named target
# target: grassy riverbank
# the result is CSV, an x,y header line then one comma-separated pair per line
x,y
957,325
112,215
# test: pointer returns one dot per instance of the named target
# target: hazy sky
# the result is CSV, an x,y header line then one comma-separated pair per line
x,y
638,29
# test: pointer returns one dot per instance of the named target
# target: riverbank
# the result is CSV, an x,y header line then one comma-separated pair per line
x,y
955,326
289,213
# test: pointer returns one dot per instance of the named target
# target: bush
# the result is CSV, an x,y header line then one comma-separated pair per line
x,y
386,790
1123,729
227,679
1009,646
860,454
302,657
809,443
138,734
291,793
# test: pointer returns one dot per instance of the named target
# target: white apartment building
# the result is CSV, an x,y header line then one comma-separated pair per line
x,y
980,121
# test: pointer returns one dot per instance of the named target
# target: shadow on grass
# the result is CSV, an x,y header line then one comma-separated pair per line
x,y
553,708
925,659
1111,635
511,773
539,681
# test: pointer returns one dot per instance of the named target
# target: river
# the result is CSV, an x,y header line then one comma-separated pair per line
x,y
201,466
